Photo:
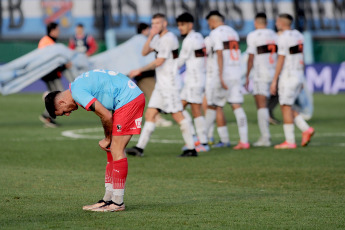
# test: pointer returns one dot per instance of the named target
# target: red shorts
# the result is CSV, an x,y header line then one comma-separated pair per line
x,y
127,119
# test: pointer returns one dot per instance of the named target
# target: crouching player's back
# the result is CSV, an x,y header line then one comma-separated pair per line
x,y
120,104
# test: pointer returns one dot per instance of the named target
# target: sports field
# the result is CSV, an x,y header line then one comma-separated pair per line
x,y
47,175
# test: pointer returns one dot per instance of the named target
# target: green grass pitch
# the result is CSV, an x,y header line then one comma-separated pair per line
x,y
46,178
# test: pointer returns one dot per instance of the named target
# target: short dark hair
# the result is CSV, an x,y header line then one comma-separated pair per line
x,y
49,101
214,13
51,26
141,26
286,16
185,17
80,25
159,15
262,16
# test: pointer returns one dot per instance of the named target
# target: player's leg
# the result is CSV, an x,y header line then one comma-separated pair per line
x,y
119,174
189,119
199,122
263,120
186,134
235,98
148,129
108,185
222,129
307,131
241,120
289,128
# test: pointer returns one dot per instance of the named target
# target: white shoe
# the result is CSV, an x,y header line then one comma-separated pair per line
x,y
110,206
161,122
262,142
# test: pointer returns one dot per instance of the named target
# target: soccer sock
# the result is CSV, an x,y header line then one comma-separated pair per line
x,y
186,134
210,131
289,131
120,170
108,178
189,119
241,119
210,118
200,129
145,135
223,134
301,123
263,121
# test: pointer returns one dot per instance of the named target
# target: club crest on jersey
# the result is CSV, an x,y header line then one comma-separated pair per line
x,y
119,127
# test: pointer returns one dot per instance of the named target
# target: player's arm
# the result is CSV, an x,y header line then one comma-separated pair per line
x,y
107,123
220,67
279,67
151,66
249,67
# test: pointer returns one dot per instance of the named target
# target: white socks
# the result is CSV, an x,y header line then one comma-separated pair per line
x,y
301,123
241,119
223,134
289,131
118,196
108,192
145,135
210,118
200,129
186,134
263,122
189,119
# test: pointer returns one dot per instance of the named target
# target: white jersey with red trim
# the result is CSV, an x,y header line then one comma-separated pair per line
x,y
166,47
192,53
290,45
211,68
262,43
226,39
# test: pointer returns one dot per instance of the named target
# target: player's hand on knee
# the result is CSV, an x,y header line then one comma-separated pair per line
x,y
104,144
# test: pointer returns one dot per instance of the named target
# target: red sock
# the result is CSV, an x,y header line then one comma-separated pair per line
x,y
109,169
120,170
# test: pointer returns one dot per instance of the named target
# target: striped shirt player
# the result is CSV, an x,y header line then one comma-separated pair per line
x,y
289,71
165,96
192,54
262,55
119,103
227,54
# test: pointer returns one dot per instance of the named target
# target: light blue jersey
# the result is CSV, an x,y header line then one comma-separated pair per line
x,y
112,89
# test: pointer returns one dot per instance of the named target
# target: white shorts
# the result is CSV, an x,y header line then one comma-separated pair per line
x,y
218,96
261,88
289,88
192,94
166,100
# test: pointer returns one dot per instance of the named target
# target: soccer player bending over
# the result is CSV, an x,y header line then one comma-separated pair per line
x,y
120,104
290,71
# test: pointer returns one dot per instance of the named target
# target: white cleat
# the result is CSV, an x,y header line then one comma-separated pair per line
x,y
100,203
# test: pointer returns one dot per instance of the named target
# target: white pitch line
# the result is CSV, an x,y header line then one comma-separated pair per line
x,y
88,133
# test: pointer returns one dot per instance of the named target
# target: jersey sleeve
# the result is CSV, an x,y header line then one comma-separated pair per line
x,y
282,46
250,44
82,97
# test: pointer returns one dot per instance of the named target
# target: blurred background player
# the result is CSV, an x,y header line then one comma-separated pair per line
x,y
193,55
83,42
146,80
262,50
227,59
290,72
52,80
103,91
165,97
